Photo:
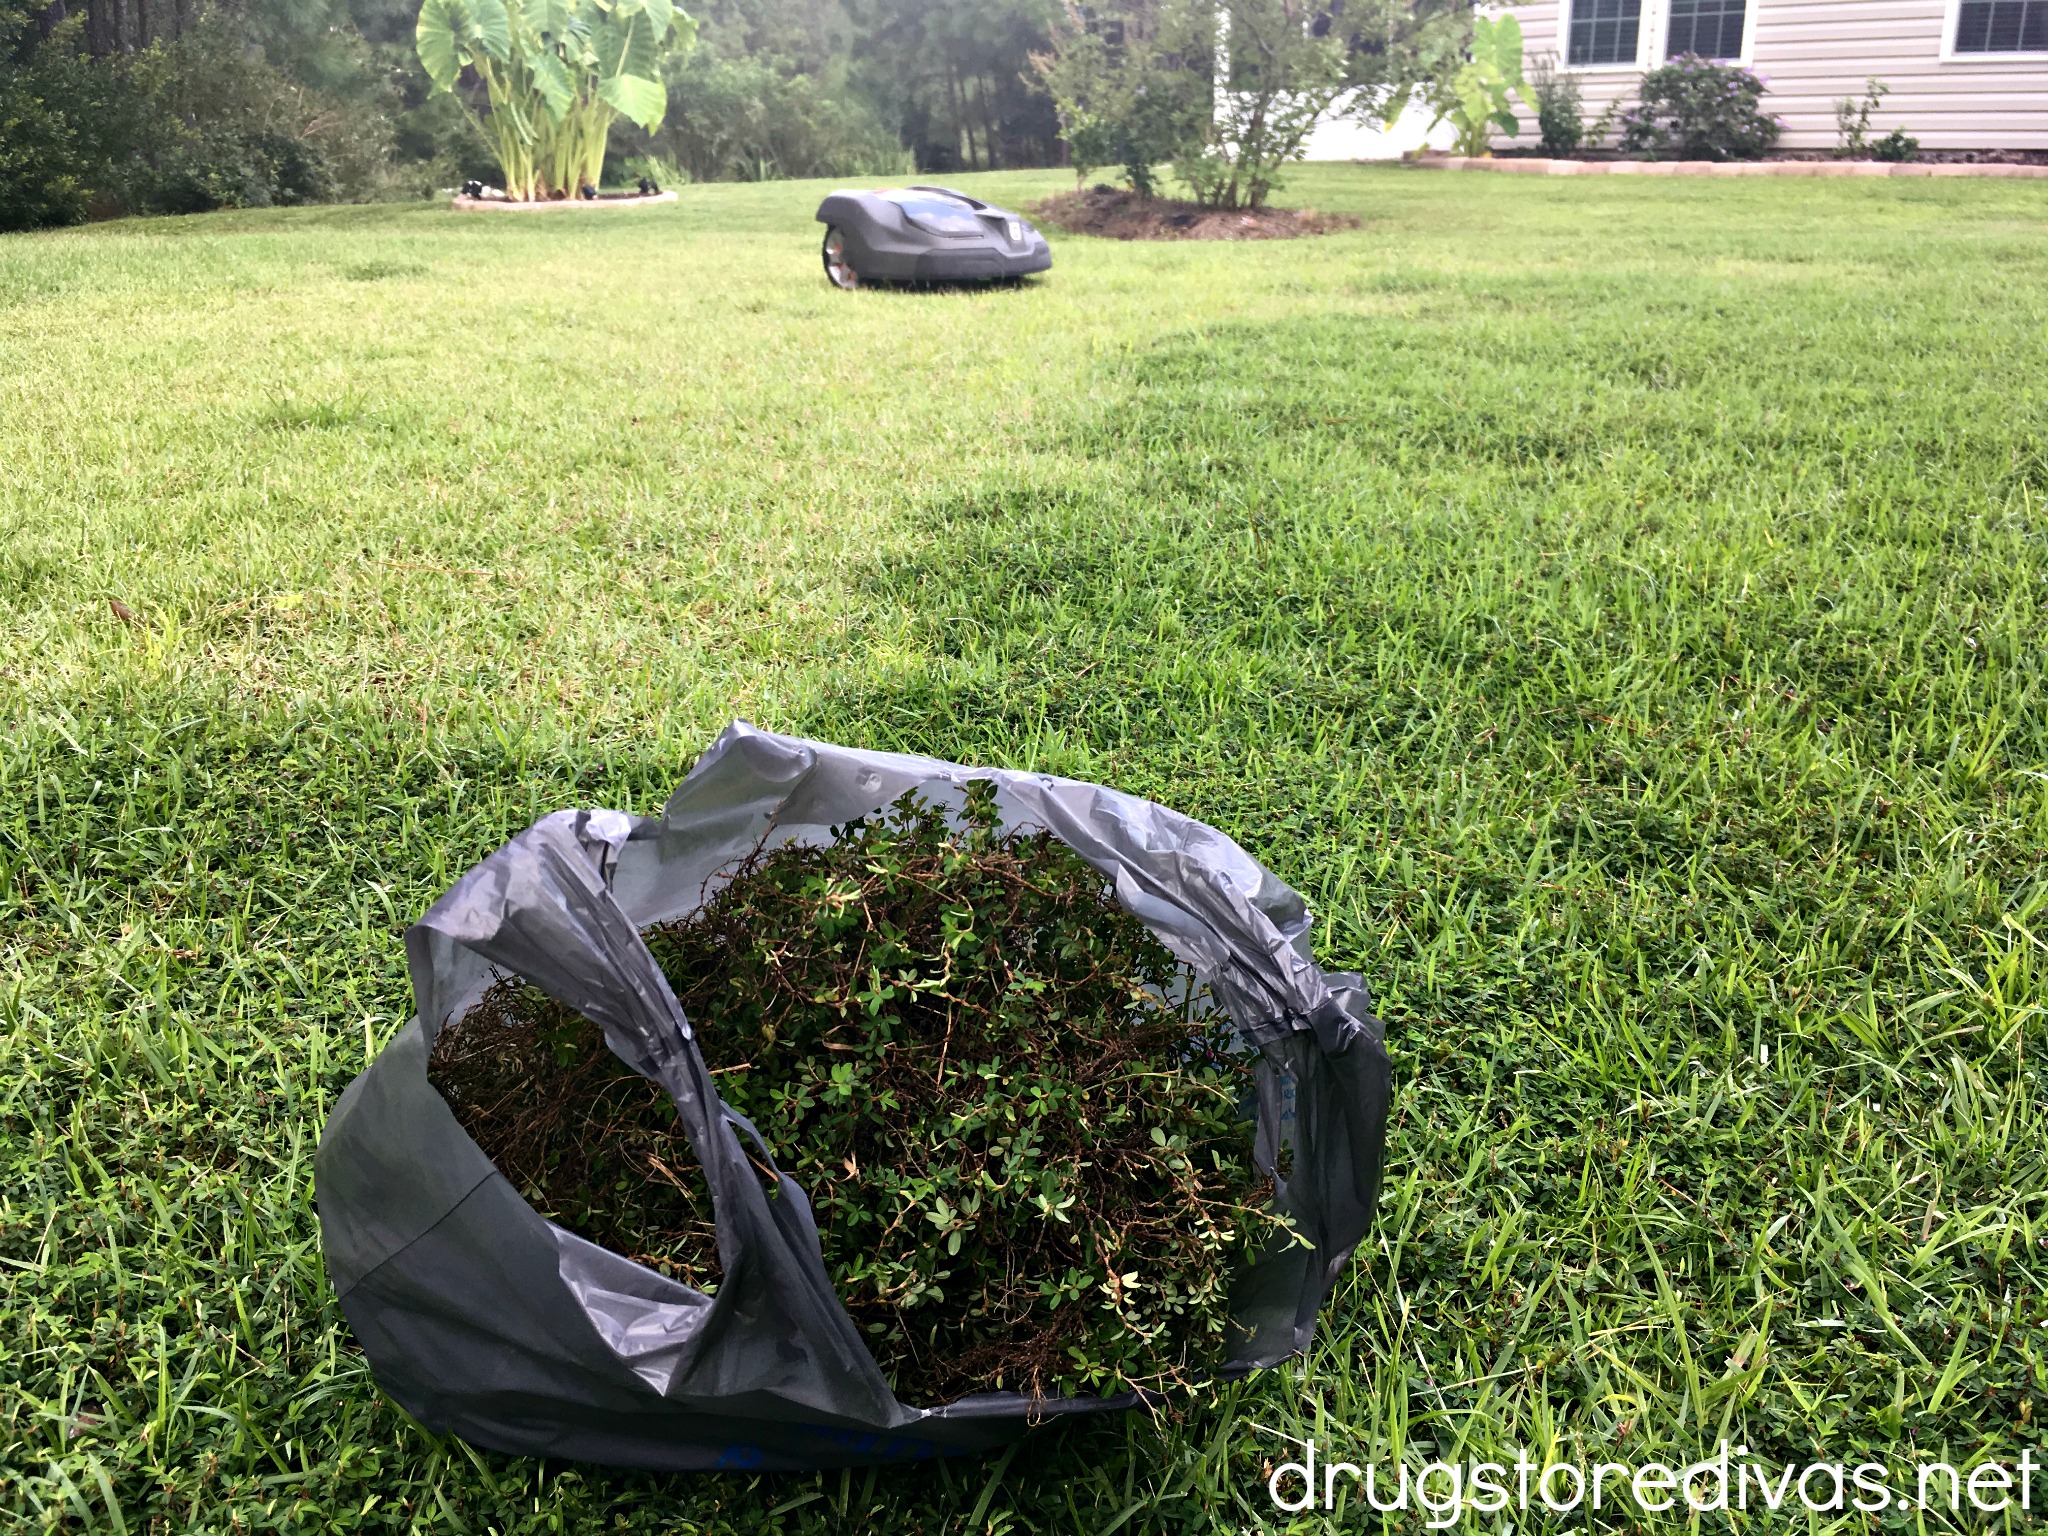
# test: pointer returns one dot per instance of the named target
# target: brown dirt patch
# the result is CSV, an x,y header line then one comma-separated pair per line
x,y
1119,214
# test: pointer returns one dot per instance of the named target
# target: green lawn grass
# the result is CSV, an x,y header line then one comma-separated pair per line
x,y
1616,604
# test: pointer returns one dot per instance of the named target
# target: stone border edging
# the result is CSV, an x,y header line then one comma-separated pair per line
x,y
1531,166
463,204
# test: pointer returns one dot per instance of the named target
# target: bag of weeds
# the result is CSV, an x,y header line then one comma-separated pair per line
x,y
858,1108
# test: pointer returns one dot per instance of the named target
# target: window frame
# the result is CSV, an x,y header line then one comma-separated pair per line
x,y
1740,59
1653,35
1649,13
1952,18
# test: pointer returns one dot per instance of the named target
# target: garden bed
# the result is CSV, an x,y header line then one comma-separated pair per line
x,y
1536,165
1117,214
467,204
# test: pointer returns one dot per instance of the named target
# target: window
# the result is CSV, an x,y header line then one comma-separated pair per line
x,y
1604,31
1710,28
2002,26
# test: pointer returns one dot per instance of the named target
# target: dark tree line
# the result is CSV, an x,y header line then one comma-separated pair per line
x,y
151,106
119,26
959,72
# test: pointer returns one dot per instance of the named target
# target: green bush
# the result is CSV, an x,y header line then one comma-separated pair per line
x,y
745,119
1288,72
230,169
1132,87
1694,109
1898,145
205,122
183,124
48,103
1559,124
42,172
663,172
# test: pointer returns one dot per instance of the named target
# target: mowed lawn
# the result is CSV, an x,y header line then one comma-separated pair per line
x,y
1618,604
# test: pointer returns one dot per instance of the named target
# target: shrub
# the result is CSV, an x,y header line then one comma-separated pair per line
x,y
1288,72
1694,109
203,121
1558,122
206,119
745,119
1852,119
1852,128
657,171
1232,91
46,150
225,168
1028,1163
182,125
1132,87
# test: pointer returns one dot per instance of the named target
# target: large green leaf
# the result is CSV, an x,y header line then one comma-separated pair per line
x,y
540,15
454,33
626,46
635,97
1508,37
553,82
1498,42
437,47
661,15
574,39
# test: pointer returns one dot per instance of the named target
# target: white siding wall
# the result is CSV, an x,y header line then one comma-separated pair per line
x,y
1813,52
1346,138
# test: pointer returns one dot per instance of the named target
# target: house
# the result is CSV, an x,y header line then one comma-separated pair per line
x,y
1964,74
1339,137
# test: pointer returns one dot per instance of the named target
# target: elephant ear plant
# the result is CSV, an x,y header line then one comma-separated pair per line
x,y
555,73
1476,101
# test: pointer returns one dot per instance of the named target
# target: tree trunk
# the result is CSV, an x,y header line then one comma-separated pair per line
x,y
99,28
970,97
977,154
118,39
50,18
963,130
989,132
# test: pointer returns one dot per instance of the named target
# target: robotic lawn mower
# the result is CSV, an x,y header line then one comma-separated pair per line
x,y
925,235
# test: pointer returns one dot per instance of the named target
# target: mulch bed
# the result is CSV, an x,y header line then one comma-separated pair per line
x,y
1119,214
464,203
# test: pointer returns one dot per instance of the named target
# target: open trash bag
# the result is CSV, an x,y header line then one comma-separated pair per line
x,y
481,1317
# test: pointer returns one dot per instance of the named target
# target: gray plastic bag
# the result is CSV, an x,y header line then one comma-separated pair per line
x,y
481,1317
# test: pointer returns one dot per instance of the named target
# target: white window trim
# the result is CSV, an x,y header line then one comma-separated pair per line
x,y
1741,60
1653,34
1649,15
1951,15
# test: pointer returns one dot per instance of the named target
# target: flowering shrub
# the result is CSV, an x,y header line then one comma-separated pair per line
x,y
1694,109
